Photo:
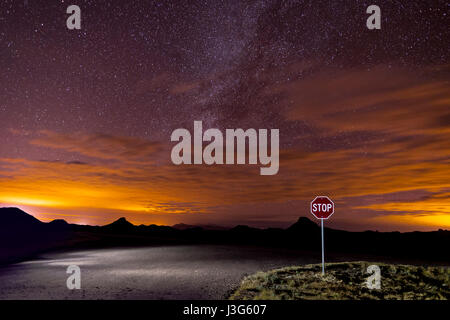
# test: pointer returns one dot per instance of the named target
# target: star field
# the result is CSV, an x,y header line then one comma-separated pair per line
x,y
140,69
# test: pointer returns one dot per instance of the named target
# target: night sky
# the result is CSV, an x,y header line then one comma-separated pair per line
x,y
364,115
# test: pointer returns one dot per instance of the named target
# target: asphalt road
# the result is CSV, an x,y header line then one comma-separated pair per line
x,y
168,272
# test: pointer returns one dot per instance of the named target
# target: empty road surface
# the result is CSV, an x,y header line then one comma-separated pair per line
x,y
166,272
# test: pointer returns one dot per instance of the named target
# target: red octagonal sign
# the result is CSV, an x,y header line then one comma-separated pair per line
x,y
322,207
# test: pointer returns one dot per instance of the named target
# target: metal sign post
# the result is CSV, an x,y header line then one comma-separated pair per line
x,y
322,208
323,251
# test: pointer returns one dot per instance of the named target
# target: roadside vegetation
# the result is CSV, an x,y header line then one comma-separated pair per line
x,y
346,280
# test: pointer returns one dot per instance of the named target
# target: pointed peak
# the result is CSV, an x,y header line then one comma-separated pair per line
x,y
305,220
303,223
121,222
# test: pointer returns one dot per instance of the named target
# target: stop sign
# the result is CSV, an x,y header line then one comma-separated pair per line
x,y
322,207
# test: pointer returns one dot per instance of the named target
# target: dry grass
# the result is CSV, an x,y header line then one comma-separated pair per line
x,y
346,280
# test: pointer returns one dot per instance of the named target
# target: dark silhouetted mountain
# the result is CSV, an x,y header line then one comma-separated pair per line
x,y
120,225
59,223
183,226
11,218
304,224
22,235
243,229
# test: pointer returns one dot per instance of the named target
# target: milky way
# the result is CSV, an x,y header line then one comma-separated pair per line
x,y
140,69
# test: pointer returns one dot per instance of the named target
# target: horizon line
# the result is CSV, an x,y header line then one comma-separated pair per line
x,y
220,226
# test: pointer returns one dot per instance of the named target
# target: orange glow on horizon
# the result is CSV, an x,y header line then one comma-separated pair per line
x,y
382,156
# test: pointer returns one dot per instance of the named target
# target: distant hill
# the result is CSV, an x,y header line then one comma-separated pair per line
x,y
21,235
58,223
303,225
15,218
183,226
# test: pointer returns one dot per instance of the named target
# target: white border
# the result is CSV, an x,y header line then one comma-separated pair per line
x,y
310,207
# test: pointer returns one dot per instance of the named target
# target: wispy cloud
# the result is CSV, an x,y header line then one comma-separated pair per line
x,y
102,146
378,145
